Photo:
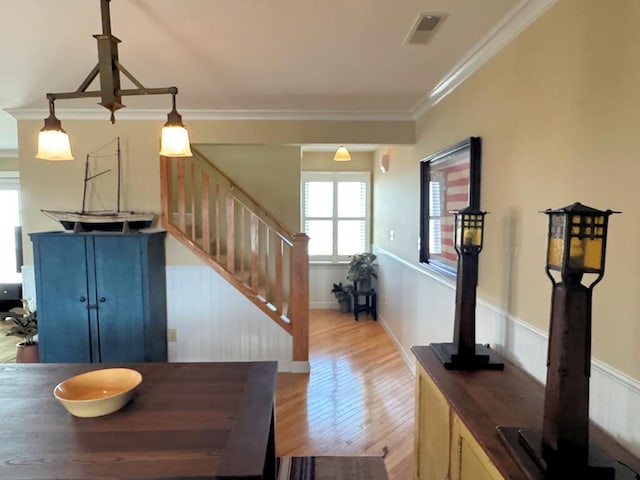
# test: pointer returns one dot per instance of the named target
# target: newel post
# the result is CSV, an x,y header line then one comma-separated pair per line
x,y
299,281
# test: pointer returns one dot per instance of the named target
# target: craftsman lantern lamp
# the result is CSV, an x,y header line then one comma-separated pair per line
x,y
464,353
575,249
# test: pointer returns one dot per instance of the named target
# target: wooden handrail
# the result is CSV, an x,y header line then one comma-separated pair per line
x,y
224,226
240,195
234,186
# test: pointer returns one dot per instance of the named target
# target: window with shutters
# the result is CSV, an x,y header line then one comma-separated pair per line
x,y
435,218
10,246
335,214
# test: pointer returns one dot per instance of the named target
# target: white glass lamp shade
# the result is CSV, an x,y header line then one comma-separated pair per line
x,y
53,145
175,142
342,155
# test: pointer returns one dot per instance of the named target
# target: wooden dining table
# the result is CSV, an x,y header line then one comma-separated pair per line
x,y
185,421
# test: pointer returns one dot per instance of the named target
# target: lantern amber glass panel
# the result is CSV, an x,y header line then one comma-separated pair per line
x,y
556,240
469,230
585,250
576,241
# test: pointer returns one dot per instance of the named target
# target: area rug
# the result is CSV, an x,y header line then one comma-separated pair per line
x,y
331,468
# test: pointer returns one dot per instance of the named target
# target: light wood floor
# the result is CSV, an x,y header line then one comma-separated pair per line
x,y
358,399
7,343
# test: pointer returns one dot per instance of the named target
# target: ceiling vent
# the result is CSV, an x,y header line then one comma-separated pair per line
x,y
424,28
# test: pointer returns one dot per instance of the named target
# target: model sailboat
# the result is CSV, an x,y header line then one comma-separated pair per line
x,y
108,221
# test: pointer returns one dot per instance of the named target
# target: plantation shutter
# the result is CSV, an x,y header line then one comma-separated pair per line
x,y
435,223
335,213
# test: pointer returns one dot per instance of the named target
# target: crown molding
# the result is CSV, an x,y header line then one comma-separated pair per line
x,y
196,115
8,153
518,19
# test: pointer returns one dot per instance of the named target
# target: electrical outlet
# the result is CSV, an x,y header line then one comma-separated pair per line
x,y
172,335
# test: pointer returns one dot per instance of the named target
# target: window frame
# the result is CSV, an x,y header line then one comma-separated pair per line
x,y
336,177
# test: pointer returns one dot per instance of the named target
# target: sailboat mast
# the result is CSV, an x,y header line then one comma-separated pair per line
x,y
86,180
119,174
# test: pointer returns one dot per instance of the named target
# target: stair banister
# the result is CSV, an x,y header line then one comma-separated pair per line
x,y
246,240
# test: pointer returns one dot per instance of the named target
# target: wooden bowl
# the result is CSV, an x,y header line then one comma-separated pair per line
x,y
99,392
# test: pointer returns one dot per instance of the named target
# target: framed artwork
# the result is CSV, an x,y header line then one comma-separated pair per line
x,y
449,181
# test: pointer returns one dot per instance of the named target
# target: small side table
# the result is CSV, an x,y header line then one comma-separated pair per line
x,y
365,301
10,295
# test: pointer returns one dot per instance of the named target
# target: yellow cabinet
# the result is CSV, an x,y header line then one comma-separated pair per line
x,y
456,417
468,459
444,447
433,430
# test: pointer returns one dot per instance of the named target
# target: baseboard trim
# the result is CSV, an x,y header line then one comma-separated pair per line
x,y
298,367
406,355
323,305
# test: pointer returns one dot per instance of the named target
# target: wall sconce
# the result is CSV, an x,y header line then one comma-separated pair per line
x,y
53,142
464,353
383,163
342,154
576,246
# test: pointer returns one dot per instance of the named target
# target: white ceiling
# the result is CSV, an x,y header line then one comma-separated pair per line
x,y
255,57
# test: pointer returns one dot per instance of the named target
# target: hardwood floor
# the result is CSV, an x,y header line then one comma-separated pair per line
x,y
7,343
358,399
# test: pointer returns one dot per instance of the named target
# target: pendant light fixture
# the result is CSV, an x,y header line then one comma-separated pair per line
x,y
53,142
174,141
342,154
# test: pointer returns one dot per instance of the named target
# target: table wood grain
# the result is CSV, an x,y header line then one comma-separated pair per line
x,y
204,420
486,399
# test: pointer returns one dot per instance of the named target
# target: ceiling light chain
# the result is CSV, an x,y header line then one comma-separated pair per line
x,y
109,69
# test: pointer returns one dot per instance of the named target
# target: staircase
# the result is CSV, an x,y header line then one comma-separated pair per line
x,y
231,232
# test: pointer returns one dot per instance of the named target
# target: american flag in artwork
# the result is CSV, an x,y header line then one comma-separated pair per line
x,y
448,191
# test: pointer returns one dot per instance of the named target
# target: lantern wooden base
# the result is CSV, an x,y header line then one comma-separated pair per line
x,y
484,358
525,445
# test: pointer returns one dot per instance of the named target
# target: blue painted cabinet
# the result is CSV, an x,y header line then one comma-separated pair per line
x,y
101,297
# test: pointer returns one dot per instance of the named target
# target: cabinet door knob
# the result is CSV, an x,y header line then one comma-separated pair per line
x,y
83,299
102,299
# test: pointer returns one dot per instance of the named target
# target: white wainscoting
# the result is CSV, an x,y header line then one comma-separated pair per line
x,y
417,308
214,322
322,276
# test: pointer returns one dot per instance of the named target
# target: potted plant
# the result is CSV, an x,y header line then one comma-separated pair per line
x,y
362,267
25,326
343,294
